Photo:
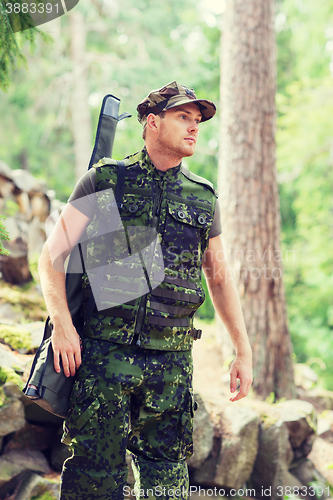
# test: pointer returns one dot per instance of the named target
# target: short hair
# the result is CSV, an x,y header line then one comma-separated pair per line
x,y
161,114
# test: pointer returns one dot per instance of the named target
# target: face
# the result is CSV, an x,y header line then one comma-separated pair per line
x,y
178,131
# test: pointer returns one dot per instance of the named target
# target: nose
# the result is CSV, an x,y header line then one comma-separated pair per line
x,y
194,126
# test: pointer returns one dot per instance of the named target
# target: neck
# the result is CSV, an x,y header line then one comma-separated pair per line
x,y
162,160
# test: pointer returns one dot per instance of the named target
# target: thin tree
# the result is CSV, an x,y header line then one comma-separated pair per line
x,y
248,188
81,120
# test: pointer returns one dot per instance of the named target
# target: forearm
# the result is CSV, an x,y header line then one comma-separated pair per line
x,y
227,304
54,291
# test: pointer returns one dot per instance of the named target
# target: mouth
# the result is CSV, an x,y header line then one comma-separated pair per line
x,y
190,140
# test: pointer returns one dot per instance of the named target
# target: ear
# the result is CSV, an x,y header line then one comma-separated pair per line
x,y
153,122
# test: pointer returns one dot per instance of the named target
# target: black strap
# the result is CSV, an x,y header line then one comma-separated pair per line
x,y
196,334
180,282
119,193
117,312
172,322
167,308
170,294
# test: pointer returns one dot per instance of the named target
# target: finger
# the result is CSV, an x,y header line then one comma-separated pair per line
x,y
233,381
71,365
78,359
239,395
65,364
56,361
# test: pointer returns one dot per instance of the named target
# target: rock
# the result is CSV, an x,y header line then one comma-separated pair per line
x,y
9,314
11,417
325,425
319,397
59,454
274,456
12,464
32,437
15,267
19,339
26,181
230,463
306,473
9,359
239,447
305,376
36,330
12,390
301,420
5,170
322,458
203,434
33,485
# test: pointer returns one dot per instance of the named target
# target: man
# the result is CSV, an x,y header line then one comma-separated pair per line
x,y
134,385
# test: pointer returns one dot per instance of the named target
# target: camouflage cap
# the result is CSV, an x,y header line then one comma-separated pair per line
x,y
170,96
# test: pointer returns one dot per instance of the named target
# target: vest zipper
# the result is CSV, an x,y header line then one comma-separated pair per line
x,y
143,300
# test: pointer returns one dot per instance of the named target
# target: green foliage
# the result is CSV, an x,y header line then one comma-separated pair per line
x,y
47,495
24,300
304,153
9,375
11,42
4,236
17,338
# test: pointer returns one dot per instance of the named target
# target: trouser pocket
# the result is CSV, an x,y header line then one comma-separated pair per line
x,y
186,432
81,425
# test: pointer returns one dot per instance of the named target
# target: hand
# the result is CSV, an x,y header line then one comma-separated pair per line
x,y
241,368
67,344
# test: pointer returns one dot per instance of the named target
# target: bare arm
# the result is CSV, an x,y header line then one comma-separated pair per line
x,y
226,302
65,339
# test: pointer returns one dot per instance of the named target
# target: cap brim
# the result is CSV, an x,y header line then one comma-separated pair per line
x,y
207,108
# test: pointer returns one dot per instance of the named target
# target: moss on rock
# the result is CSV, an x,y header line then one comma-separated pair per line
x,y
9,375
24,300
17,338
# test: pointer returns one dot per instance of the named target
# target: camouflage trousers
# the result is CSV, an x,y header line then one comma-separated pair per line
x,y
129,398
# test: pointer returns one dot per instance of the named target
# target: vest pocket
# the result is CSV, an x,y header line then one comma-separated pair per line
x,y
193,215
187,228
82,423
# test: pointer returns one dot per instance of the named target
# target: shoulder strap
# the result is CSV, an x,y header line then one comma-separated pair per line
x,y
119,192
196,178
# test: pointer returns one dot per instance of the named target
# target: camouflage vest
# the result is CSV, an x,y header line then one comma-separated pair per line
x,y
153,252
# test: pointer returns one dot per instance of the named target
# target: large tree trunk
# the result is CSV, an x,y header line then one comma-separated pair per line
x,y
248,188
81,122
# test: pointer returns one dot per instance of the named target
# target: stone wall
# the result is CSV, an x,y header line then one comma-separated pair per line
x,y
257,448
252,448
25,201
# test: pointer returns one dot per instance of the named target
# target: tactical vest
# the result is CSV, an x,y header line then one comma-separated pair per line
x,y
154,251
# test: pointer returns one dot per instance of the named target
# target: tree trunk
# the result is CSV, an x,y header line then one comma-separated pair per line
x,y
248,188
81,121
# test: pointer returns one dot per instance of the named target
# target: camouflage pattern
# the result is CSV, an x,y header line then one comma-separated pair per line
x,y
177,210
128,397
170,96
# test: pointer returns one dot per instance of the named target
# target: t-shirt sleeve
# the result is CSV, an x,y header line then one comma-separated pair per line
x,y
80,198
216,228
